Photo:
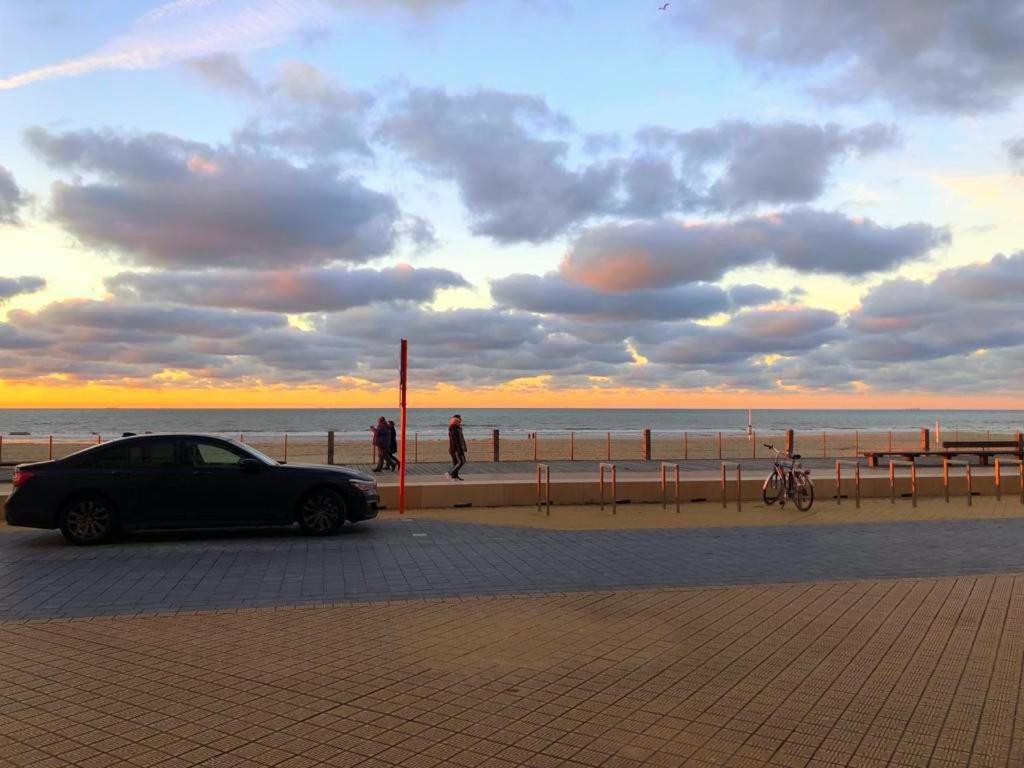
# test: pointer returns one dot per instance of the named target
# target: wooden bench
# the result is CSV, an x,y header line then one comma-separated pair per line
x,y
983,449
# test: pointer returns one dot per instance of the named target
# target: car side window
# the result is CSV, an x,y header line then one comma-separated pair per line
x,y
142,454
215,455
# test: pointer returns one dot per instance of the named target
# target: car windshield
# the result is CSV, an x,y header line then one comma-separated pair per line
x,y
253,452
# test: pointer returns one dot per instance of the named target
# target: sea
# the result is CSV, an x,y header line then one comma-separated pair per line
x,y
354,422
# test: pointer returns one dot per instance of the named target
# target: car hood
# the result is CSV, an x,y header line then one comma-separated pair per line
x,y
352,474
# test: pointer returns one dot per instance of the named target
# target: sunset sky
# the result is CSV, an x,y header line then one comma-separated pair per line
x,y
725,203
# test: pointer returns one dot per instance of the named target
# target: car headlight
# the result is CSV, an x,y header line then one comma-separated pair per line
x,y
366,486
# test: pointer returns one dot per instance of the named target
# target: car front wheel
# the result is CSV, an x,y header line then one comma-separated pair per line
x,y
321,512
87,520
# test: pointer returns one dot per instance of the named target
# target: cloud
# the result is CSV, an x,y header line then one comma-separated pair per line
x,y
739,164
12,198
498,149
187,29
16,286
166,202
963,310
327,289
754,333
644,255
302,111
552,294
509,156
945,56
1015,151
226,72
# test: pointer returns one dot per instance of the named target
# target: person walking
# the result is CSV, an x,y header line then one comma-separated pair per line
x,y
456,447
381,442
393,462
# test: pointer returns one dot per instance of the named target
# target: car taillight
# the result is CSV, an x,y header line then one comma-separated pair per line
x,y
21,476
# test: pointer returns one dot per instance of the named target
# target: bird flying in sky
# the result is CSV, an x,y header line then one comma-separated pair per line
x,y
664,7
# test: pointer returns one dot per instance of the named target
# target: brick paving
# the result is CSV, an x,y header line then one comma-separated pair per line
x,y
859,674
40,576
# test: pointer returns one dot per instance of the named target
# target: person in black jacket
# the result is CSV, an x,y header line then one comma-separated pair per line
x,y
381,442
456,447
393,461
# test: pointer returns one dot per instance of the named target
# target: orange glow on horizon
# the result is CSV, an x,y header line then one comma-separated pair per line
x,y
531,394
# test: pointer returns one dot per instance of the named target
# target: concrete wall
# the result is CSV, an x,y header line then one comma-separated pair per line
x,y
524,493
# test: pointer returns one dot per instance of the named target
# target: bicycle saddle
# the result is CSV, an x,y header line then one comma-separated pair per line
x,y
796,455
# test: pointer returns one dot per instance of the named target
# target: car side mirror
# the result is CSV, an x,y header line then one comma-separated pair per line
x,y
251,466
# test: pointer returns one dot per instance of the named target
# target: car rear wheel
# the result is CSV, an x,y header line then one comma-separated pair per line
x,y
321,512
88,520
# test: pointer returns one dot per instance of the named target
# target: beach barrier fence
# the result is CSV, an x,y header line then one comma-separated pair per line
x,y
538,447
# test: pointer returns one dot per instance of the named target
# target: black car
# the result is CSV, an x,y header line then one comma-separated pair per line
x,y
183,481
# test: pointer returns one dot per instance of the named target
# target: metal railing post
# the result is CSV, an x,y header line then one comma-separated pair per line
x,y
719,446
543,470
608,446
739,484
913,480
664,485
51,448
686,445
572,446
285,448
601,468
330,447
998,480
415,447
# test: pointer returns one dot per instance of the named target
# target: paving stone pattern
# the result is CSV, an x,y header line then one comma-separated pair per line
x,y
40,576
852,674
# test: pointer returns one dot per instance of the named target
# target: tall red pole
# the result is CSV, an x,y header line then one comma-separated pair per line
x,y
403,378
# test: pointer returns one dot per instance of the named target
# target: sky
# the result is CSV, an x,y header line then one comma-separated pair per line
x,y
725,203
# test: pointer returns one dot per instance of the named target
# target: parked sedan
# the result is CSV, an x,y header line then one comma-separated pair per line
x,y
183,481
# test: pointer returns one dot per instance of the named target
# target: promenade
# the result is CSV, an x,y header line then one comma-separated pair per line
x,y
438,639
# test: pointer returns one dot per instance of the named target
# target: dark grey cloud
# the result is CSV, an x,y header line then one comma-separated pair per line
x,y
12,198
753,295
754,333
739,164
84,319
552,294
508,157
1015,151
930,55
15,286
963,310
12,338
327,289
643,255
162,201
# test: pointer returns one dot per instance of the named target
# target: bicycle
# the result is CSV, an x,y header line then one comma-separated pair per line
x,y
788,482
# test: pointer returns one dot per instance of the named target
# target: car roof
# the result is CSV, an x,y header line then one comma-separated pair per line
x,y
163,435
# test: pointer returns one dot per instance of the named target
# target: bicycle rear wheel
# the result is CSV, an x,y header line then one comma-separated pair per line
x,y
803,493
772,489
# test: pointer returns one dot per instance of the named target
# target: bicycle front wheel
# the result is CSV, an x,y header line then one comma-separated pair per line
x,y
803,493
772,489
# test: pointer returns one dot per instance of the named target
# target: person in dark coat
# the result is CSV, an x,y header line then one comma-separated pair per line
x,y
393,462
381,442
456,447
